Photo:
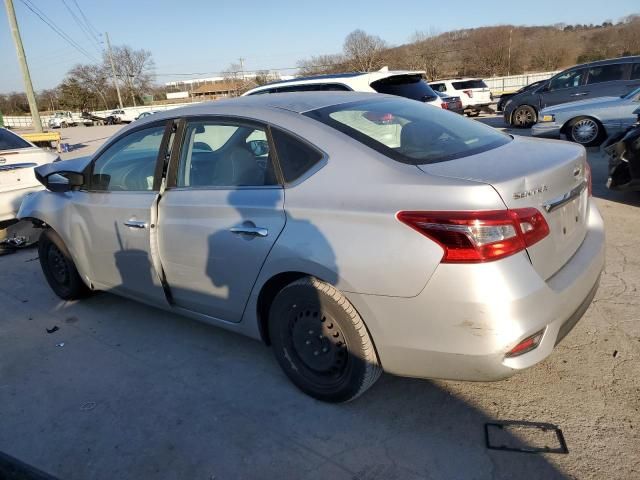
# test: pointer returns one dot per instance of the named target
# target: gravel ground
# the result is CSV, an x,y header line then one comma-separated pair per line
x,y
136,392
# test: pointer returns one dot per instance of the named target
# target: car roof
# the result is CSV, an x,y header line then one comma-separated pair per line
x,y
455,79
344,78
608,61
257,106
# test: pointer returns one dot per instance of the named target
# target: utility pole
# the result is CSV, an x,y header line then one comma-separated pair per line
x,y
241,74
22,60
113,71
509,66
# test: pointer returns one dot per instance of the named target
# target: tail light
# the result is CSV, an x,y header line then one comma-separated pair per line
x,y
484,236
445,105
526,345
469,93
589,178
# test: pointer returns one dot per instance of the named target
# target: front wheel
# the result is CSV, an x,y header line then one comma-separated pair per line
x,y
58,267
586,131
524,116
321,342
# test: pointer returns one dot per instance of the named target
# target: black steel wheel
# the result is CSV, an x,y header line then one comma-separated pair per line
x,y
321,342
58,267
524,116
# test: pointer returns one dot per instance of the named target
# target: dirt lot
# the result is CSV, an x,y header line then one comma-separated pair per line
x,y
123,390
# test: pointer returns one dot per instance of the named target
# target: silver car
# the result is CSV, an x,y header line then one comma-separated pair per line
x,y
355,233
588,122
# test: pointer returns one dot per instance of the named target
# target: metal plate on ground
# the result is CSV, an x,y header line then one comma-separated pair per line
x,y
526,437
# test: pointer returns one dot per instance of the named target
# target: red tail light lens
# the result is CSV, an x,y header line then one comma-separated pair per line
x,y
469,93
526,345
474,237
445,105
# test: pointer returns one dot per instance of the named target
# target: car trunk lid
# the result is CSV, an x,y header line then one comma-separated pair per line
x,y
548,175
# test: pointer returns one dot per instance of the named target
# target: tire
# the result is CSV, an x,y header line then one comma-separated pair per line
x,y
524,116
321,342
586,131
58,267
475,113
63,125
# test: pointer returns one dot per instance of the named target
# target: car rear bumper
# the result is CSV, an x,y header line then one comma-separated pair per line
x,y
469,316
546,130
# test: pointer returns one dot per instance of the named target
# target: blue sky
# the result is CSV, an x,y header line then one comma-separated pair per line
x,y
206,36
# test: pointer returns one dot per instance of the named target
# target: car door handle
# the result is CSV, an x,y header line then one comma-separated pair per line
x,y
136,224
254,231
581,94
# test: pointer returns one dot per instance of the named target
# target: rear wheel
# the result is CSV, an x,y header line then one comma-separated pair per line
x,y
474,113
321,342
524,116
63,125
586,131
58,267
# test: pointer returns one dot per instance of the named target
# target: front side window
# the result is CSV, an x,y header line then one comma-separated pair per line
x,y
635,71
573,78
225,155
606,73
410,132
129,164
11,141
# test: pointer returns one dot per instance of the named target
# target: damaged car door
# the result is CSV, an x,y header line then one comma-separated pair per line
x,y
117,209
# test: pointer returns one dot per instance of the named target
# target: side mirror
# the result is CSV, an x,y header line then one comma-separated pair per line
x,y
64,181
259,147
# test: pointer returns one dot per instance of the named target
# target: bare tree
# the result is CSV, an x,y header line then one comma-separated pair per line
x,y
320,64
363,52
134,68
93,78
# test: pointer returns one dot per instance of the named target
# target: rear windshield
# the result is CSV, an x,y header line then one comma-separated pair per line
x,y
410,132
467,84
11,141
408,86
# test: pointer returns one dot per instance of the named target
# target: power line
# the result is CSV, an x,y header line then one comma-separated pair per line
x,y
96,33
41,15
85,30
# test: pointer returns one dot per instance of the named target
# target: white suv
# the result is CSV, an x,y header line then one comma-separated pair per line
x,y
473,92
404,83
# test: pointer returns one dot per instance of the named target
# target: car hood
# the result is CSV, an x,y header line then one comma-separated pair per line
x,y
582,104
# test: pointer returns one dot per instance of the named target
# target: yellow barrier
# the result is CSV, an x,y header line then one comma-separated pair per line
x,y
44,137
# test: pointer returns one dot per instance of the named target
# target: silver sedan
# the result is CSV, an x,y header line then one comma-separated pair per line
x,y
588,122
354,233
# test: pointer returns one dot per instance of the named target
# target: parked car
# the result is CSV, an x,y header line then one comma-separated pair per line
x,y
352,232
473,92
506,96
453,104
18,158
623,150
604,78
404,83
144,115
589,122
121,116
65,119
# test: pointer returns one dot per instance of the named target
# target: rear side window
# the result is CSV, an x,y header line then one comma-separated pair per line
x,y
439,87
11,141
468,84
408,86
296,158
635,71
606,73
410,132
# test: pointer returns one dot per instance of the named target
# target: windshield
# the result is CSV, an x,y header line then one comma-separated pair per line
x,y
11,141
410,132
408,86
